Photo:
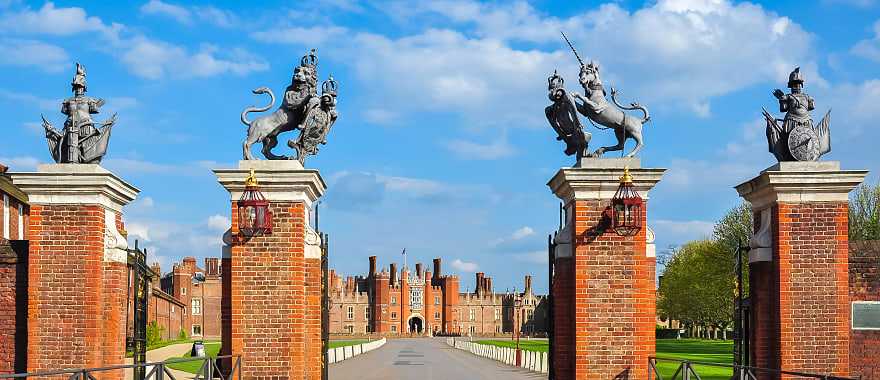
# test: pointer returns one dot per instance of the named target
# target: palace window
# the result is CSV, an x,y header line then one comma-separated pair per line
x,y
393,315
471,314
197,306
196,330
473,330
183,291
498,329
393,300
172,309
367,313
20,221
394,328
436,315
350,314
349,329
497,314
367,329
529,314
5,216
436,300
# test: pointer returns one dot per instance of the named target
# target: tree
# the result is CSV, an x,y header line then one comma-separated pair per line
x,y
733,229
864,213
698,285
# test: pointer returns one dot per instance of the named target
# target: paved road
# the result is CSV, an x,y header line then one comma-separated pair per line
x,y
161,354
424,359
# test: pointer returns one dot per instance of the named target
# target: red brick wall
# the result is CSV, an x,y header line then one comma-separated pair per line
x,y
13,307
614,313
864,285
275,314
805,321
65,290
563,318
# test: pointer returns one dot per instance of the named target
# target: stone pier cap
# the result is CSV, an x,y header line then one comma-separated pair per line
x,y
75,184
801,182
279,180
599,178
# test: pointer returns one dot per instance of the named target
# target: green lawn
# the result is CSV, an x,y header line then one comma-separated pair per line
x,y
211,350
343,343
710,351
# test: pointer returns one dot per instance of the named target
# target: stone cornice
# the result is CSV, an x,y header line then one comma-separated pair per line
x,y
75,184
800,182
279,180
602,180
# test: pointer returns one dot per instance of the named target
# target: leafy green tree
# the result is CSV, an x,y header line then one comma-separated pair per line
x,y
698,285
733,229
864,213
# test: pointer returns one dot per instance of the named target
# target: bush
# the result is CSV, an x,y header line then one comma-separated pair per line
x,y
154,333
181,335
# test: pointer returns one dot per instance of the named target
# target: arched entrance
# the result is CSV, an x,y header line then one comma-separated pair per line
x,y
416,325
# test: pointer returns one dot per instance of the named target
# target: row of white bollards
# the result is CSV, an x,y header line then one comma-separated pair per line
x,y
338,354
531,360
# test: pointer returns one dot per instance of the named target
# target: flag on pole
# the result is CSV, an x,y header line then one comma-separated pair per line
x,y
404,257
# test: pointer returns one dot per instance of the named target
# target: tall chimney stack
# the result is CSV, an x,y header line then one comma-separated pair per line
x,y
528,283
393,274
437,268
372,266
480,285
419,270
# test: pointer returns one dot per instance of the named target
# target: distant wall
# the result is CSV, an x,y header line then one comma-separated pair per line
x,y
864,285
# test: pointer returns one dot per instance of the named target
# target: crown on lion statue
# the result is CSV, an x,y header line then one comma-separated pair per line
x,y
592,66
310,59
555,81
329,86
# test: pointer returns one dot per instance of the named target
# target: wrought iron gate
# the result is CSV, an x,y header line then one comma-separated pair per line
x,y
140,277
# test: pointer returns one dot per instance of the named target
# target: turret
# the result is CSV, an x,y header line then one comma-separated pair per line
x,y
372,266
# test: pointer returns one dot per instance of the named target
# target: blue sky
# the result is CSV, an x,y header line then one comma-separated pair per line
x,y
441,146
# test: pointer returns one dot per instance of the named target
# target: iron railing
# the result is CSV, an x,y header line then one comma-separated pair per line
x,y
154,371
686,371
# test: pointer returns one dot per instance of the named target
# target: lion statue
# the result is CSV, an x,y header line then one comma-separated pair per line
x,y
299,97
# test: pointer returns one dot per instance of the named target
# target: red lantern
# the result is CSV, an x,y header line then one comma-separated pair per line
x,y
626,207
254,217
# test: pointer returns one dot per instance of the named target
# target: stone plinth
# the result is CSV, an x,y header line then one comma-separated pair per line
x,y
77,267
798,266
603,290
271,313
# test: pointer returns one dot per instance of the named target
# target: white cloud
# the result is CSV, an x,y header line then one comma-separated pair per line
x,y
380,116
49,20
486,74
154,59
20,163
138,231
465,266
48,57
519,234
176,12
219,223
31,100
497,149
297,35
869,48
695,228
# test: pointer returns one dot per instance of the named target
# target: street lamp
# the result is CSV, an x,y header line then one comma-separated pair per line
x,y
254,217
626,207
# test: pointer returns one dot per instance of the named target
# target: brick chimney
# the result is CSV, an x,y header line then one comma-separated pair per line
x,y
372,266
212,266
419,270
437,268
480,284
528,283
393,273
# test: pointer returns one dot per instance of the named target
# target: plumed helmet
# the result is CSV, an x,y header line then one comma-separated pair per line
x,y
795,79
79,79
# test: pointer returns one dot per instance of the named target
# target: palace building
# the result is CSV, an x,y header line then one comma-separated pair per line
x,y
392,302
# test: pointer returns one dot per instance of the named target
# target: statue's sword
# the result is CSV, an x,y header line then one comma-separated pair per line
x,y
573,50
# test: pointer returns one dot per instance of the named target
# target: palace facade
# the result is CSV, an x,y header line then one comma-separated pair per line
x,y
425,302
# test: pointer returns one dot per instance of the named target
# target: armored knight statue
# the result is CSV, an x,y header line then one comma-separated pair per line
x,y
563,118
604,115
794,137
80,141
301,109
